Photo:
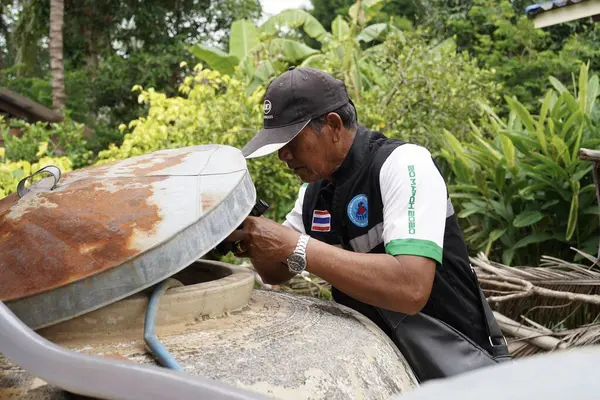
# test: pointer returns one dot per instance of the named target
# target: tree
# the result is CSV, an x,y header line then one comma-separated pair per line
x,y
56,54
31,24
5,25
501,37
109,46
520,188
427,89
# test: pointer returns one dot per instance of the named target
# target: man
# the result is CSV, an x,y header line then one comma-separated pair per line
x,y
374,220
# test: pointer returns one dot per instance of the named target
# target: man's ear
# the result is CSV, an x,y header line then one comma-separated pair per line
x,y
333,122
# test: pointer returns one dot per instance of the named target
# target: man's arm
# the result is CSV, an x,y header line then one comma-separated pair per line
x,y
402,283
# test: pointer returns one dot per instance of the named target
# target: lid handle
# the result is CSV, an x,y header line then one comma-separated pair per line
x,y
52,170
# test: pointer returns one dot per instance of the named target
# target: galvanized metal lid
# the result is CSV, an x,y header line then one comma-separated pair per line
x,y
105,232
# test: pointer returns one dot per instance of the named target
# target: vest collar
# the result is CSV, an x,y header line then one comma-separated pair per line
x,y
355,157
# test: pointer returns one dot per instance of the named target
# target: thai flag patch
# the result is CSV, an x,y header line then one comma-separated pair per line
x,y
321,221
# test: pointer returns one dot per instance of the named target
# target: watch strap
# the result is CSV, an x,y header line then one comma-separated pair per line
x,y
302,244
299,252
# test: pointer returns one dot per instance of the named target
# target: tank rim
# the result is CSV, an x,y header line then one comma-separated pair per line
x,y
178,306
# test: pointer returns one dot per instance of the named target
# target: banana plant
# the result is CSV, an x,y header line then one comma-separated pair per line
x,y
259,53
254,51
243,38
521,183
342,53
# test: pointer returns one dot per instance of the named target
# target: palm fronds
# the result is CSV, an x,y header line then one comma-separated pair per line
x,y
557,294
547,308
528,338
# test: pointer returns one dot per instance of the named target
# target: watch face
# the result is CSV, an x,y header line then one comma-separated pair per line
x,y
296,263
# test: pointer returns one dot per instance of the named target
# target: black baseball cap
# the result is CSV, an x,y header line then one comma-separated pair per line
x,y
291,101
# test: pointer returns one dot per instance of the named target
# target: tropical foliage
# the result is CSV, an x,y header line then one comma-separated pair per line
x,y
524,192
109,46
402,12
259,60
503,107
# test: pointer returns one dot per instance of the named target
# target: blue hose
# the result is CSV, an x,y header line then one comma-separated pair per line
x,y
163,355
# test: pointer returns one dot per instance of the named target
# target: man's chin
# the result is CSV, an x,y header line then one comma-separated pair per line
x,y
306,177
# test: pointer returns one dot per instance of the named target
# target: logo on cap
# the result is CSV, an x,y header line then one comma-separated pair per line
x,y
267,106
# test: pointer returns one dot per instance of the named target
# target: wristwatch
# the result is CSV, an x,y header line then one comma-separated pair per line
x,y
297,260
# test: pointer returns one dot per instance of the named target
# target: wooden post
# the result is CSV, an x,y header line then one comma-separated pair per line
x,y
589,155
593,155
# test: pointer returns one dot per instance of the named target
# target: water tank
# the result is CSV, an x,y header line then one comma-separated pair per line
x,y
80,254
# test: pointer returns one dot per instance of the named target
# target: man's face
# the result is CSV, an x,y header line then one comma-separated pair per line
x,y
307,154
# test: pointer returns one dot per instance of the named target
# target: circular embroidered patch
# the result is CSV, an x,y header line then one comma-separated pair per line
x,y
358,210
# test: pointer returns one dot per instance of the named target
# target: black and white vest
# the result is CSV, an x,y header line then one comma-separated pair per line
x,y
454,297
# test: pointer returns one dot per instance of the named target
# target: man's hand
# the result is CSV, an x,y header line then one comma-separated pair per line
x,y
268,244
264,239
402,283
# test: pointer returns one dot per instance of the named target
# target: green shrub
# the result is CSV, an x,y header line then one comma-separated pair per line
x,y
12,172
524,192
425,90
43,139
77,85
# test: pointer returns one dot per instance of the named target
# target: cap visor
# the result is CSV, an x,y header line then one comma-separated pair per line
x,y
270,140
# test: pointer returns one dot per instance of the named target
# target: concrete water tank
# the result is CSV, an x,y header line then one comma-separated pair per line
x,y
81,253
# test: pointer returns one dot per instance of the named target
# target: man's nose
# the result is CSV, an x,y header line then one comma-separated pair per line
x,y
285,154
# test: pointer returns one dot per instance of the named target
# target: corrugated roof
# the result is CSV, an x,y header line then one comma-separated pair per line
x,y
538,8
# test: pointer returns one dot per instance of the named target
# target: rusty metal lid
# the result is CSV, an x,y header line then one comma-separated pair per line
x,y
105,232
